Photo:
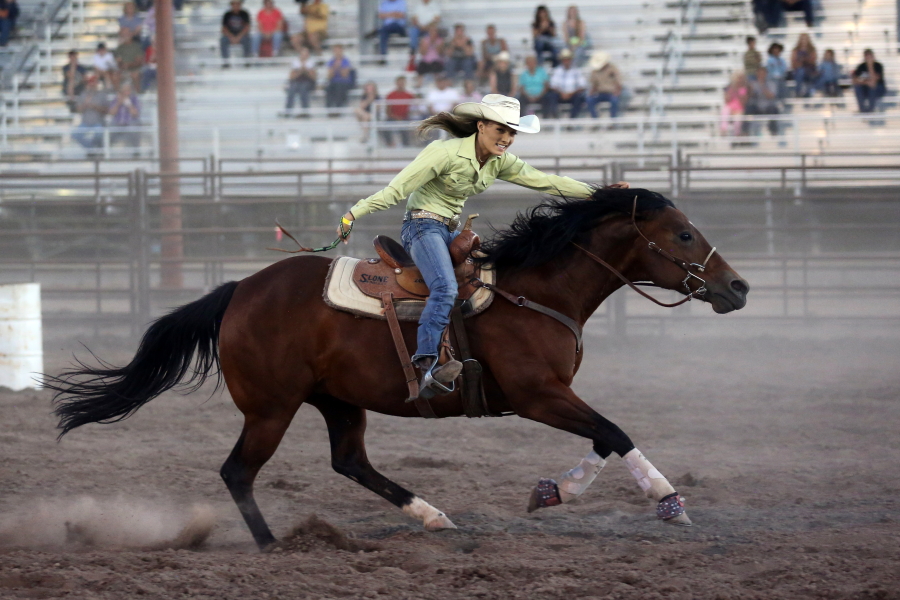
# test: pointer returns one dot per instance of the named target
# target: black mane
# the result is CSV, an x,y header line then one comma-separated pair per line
x,y
545,231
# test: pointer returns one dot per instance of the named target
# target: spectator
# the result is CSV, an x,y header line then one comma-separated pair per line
x,y
74,76
606,84
762,99
425,14
776,69
315,25
491,46
501,78
302,79
829,76
567,84
340,78
431,53
393,21
129,57
803,64
399,103
235,30
804,6
148,74
543,29
126,117
533,84
364,108
93,106
271,29
443,98
104,65
752,59
767,13
131,20
460,54
9,14
576,37
868,82
470,93
735,100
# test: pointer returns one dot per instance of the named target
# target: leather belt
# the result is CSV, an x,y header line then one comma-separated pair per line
x,y
451,223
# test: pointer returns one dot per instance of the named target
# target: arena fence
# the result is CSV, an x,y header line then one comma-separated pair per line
x,y
812,250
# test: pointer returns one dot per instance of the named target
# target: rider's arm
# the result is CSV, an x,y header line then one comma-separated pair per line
x,y
517,171
428,164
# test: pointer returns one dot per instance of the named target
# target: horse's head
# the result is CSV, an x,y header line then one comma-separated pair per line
x,y
670,235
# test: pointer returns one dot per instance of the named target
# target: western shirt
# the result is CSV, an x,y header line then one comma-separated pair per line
x,y
566,81
446,173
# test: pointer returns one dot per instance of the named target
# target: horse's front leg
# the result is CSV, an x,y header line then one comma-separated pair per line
x,y
555,404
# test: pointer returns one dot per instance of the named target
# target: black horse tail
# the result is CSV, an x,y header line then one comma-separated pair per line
x,y
108,394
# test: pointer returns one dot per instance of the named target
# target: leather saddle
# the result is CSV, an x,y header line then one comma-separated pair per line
x,y
394,270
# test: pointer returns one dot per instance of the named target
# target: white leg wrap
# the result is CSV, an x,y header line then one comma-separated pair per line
x,y
651,481
431,518
573,483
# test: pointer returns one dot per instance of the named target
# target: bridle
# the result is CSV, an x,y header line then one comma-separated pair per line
x,y
687,267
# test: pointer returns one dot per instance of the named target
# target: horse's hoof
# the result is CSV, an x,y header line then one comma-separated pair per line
x,y
681,520
438,523
544,494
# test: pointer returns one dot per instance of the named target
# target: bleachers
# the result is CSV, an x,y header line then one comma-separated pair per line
x,y
675,101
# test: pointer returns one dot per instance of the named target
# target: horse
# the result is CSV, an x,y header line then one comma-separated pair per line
x,y
278,344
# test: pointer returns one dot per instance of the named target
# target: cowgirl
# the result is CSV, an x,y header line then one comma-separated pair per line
x,y
437,184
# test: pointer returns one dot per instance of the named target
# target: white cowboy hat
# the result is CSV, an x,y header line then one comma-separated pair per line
x,y
502,109
599,59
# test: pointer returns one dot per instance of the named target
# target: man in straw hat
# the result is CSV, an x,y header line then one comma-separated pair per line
x,y
567,84
606,84
436,185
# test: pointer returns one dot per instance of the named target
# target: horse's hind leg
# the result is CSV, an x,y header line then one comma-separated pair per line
x,y
257,444
346,430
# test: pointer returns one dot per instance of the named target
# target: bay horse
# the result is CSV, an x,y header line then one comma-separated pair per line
x,y
278,345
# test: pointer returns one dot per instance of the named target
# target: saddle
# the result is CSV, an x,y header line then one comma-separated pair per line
x,y
395,272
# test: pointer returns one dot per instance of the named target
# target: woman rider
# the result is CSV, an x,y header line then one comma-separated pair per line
x,y
437,184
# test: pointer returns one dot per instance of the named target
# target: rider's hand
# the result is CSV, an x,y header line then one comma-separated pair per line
x,y
622,185
346,238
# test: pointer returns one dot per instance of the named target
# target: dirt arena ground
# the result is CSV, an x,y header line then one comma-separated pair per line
x,y
786,452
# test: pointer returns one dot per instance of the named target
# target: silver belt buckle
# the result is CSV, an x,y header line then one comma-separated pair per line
x,y
453,223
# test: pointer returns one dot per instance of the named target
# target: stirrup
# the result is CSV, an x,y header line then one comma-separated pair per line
x,y
430,387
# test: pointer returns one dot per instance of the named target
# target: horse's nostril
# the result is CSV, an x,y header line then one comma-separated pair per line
x,y
740,286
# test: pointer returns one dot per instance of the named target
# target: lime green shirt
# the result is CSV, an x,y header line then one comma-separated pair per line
x,y
446,173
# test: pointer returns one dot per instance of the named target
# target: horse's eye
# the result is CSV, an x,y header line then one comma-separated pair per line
x,y
686,237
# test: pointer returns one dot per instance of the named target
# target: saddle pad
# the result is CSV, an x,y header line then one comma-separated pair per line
x,y
342,293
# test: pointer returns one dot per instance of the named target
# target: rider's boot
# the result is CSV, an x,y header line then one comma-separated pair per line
x,y
435,377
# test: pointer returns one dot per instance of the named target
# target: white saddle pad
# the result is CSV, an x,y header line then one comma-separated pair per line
x,y
342,293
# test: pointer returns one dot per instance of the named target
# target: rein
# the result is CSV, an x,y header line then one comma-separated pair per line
x,y
343,235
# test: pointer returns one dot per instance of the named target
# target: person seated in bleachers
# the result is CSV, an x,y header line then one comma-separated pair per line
x,y
776,69
9,15
804,6
129,56
431,54
460,54
443,98
733,106
868,82
302,79
126,117
399,103
392,14
501,79
340,78
470,92
606,84
105,65
534,82
235,31
491,46
803,64
752,59
567,84
131,20
93,105
543,30
762,99
74,76
366,107
271,30
423,15
829,76
315,26
576,37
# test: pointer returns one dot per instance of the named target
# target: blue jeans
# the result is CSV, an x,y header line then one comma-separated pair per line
x,y
867,97
593,101
89,136
552,100
545,43
414,34
428,242
804,79
302,88
387,30
466,64
225,46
